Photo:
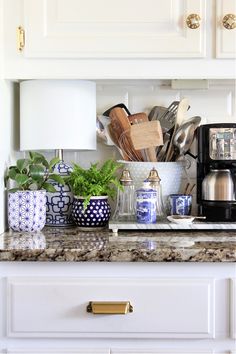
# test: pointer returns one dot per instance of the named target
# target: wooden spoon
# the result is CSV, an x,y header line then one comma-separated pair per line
x,y
120,125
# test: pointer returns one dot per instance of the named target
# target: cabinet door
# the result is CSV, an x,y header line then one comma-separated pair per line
x,y
225,37
112,29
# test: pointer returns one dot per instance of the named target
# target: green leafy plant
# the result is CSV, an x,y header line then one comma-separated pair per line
x,y
94,181
33,173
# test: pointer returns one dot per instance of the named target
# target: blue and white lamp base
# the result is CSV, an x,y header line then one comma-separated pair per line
x,y
59,204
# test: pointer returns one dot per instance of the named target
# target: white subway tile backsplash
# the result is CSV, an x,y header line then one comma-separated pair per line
x,y
213,105
109,95
143,99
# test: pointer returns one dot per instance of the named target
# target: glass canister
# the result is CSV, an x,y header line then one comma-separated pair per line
x,y
155,183
146,212
125,208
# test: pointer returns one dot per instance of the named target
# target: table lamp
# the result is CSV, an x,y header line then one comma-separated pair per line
x,y
58,114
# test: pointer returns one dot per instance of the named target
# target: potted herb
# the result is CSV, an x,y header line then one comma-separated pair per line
x,y
27,200
91,188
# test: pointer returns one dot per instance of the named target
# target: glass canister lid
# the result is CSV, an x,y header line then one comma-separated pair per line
x,y
126,178
153,176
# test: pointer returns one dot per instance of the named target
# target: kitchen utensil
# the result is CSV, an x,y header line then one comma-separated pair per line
x,y
107,136
162,152
156,112
100,131
182,109
186,188
146,136
185,135
184,219
105,121
167,119
119,105
138,118
218,185
120,126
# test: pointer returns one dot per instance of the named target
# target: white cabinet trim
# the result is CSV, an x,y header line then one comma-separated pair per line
x,y
59,351
160,351
233,308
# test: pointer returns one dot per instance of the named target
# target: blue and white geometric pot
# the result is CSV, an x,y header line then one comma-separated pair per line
x,y
96,214
27,210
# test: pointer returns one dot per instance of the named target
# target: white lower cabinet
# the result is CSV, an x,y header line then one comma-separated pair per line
x,y
162,308
177,308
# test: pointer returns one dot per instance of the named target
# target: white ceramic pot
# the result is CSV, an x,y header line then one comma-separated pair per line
x,y
169,172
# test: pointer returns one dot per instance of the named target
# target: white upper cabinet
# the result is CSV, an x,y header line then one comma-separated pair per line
x,y
125,39
114,29
226,29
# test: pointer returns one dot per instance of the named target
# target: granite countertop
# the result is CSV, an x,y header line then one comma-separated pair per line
x,y
73,245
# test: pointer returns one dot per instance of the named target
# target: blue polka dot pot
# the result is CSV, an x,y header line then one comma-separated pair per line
x,y
27,210
96,214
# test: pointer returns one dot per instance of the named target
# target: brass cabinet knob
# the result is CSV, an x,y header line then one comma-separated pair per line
x,y
229,21
109,307
193,21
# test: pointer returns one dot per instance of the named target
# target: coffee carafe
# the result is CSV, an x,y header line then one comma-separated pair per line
x,y
216,172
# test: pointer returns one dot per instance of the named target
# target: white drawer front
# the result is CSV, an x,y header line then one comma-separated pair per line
x,y
163,308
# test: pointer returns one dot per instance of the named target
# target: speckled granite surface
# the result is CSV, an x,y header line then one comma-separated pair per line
x,y
74,245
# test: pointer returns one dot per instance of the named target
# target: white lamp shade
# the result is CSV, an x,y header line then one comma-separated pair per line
x,y
57,114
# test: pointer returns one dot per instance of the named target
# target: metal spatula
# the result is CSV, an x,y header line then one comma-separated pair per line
x,y
167,119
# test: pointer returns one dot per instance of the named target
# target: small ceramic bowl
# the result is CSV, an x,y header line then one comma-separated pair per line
x,y
183,219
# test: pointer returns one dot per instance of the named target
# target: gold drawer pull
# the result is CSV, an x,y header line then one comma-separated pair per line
x,y
193,21
109,307
229,21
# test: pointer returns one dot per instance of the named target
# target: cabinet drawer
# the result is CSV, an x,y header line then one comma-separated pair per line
x,y
162,308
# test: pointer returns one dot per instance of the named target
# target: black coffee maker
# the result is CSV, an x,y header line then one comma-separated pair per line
x,y
216,172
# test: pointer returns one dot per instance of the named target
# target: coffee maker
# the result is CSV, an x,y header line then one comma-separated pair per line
x,y
216,172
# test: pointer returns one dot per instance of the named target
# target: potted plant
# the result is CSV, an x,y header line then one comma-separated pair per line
x,y
27,200
91,188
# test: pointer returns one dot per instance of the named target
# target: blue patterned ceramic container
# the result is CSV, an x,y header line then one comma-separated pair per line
x,y
146,206
180,204
59,204
96,214
27,210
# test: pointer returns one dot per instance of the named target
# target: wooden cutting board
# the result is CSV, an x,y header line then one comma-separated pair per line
x,y
147,136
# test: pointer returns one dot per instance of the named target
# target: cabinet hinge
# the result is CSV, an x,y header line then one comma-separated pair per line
x,y
20,38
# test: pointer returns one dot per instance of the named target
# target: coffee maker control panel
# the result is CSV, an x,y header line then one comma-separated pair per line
x,y
222,143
